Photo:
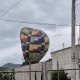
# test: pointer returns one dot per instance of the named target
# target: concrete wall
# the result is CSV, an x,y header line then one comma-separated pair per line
x,y
63,57
24,75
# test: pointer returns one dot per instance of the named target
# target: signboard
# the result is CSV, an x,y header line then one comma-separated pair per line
x,y
35,44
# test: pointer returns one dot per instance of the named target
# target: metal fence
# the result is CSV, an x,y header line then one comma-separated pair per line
x,y
37,75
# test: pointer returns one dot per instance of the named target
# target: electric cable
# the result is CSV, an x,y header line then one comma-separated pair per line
x,y
10,8
26,22
15,21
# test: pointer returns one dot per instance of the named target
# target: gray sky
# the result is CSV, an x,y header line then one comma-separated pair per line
x,y
41,11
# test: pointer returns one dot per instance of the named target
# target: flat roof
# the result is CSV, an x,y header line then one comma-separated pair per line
x,y
63,49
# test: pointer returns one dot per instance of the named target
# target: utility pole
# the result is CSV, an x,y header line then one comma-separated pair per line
x,y
58,70
79,37
29,71
73,57
78,52
43,70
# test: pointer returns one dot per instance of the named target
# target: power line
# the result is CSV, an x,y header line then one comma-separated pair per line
x,y
27,22
10,8
15,21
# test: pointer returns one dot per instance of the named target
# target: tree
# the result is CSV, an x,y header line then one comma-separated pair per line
x,y
59,74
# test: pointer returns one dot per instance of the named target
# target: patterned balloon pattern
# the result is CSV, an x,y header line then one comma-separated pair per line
x,y
34,43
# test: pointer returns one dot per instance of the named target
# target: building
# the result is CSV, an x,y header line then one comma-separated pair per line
x,y
61,59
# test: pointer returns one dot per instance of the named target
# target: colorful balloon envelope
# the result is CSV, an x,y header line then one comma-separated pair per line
x,y
35,44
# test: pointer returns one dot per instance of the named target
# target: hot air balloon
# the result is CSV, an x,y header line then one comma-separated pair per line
x,y
34,43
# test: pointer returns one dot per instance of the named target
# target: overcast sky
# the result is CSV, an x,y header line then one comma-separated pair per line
x,y
56,12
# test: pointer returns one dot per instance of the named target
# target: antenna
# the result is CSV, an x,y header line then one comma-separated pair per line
x,y
63,45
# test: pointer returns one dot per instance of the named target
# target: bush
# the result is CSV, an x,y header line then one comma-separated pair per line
x,y
59,74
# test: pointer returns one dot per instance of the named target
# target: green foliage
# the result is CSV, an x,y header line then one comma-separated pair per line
x,y
1,76
6,74
59,74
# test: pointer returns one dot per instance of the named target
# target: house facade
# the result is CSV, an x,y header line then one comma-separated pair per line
x,y
62,59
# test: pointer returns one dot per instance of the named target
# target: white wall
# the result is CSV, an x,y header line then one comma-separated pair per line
x,y
64,59
34,67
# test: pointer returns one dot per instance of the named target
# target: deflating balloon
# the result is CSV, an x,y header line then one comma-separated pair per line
x,y
35,44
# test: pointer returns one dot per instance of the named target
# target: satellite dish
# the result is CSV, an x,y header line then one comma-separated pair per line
x,y
34,43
